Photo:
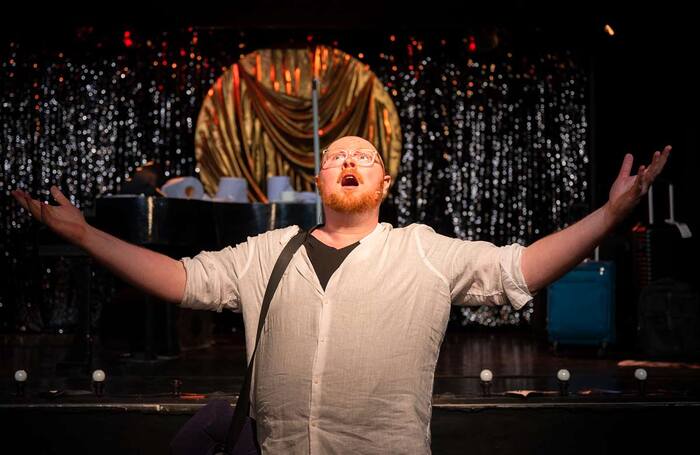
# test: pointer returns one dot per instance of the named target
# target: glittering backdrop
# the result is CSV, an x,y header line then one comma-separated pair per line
x,y
495,141
495,148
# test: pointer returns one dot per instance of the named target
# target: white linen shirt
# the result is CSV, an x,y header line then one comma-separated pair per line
x,y
350,369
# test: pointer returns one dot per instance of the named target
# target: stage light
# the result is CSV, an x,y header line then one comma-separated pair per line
x,y
641,375
563,376
98,382
486,377
609,30
20,381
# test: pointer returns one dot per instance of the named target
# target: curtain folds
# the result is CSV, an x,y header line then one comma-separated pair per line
x,y
256,120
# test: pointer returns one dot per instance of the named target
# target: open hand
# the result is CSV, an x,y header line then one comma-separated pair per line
x,y
64,219
627,190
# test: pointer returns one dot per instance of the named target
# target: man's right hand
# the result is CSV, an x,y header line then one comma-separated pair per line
x,y
64,219
155,273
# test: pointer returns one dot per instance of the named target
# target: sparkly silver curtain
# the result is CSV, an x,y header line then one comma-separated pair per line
x,y
85,117
494,158
495,149
495,146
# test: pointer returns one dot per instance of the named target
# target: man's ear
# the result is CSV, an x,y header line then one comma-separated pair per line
x,y
387,184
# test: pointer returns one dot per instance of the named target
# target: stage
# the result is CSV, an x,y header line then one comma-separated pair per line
x,y
500,122
603,410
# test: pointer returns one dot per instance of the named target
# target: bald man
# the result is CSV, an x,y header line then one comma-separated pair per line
x,y
347,355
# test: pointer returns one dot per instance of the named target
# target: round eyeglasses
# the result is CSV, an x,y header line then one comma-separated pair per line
x,y
336,158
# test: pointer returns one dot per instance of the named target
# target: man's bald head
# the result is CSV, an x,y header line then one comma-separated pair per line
x,y
351,142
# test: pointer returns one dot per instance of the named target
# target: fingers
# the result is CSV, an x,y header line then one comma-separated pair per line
x,y
661,160
626,167
19,196
25,200
658,162
34,207
646,174
58,196
643,179
640,175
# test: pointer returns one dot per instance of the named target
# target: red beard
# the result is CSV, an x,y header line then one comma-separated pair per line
x,y
351,202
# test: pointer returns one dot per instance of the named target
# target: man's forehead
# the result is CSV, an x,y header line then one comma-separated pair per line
x,y
351,142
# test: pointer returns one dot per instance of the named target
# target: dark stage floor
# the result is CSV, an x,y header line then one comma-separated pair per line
x,y
517,359
602,413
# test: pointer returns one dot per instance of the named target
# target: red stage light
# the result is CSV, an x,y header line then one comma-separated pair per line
x,y
472,44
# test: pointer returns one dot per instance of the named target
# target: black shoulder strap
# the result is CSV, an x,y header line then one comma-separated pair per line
x,y
243,403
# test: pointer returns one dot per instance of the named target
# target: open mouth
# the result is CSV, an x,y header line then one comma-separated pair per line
x,y
349,180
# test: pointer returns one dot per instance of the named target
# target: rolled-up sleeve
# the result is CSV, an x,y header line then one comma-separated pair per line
x,y
478,272
213,278
512,279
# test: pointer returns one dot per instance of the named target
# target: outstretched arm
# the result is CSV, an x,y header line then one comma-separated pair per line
x,y
153,272
551,257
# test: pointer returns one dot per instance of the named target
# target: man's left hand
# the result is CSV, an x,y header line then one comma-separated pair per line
x,y
628,190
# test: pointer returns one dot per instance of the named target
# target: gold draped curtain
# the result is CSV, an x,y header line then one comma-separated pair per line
x,y
256,120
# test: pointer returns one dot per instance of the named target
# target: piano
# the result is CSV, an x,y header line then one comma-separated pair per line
x,y
190,226
184,227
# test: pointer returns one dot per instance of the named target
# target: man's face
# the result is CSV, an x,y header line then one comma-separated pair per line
x,y
351,188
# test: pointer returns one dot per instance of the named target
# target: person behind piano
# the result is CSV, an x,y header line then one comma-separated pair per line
x,y
347,357
147,180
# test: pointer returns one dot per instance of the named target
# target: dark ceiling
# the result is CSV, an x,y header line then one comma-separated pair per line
x,y
304,14
660,26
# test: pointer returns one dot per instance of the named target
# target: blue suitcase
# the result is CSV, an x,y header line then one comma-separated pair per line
x,y
581,306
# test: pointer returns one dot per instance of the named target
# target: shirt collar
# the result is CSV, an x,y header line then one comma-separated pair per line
x,y
378,228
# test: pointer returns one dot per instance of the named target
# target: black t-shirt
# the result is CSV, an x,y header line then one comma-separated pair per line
x,y
324,258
